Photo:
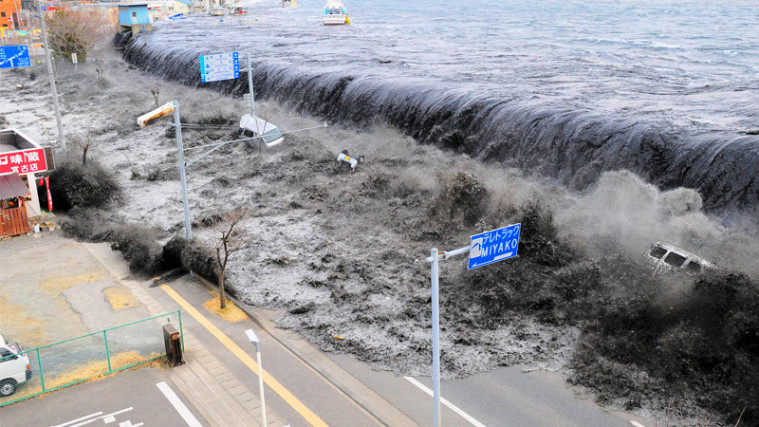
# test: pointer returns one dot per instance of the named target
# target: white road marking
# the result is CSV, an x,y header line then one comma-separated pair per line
x,y
636,424
178,405
105,418
79,419
450,405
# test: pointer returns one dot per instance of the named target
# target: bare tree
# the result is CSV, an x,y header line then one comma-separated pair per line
x,y
76,31
228,241
84,142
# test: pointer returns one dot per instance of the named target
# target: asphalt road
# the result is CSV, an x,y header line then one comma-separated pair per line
x,y
503,397
127,399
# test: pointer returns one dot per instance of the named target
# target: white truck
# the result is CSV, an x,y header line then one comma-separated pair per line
x,y
665,257
14,367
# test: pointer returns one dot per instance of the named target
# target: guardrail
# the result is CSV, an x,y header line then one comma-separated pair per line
x,y
80,359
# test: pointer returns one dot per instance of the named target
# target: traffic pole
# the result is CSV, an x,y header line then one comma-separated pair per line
x,y
50,73
182,177
435,337
250,86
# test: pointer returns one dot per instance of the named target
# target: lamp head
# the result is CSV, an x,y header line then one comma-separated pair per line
x,y
253,338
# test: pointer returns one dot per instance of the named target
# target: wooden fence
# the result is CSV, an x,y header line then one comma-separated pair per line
x,y
13,221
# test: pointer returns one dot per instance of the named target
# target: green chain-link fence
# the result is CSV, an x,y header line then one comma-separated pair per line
x,y
64,363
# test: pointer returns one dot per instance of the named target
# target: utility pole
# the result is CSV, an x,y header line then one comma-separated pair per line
x,y
50,73
250,86
182,178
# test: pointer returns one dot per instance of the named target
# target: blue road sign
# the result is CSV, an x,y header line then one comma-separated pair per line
x,y
222,66
14,56
493,246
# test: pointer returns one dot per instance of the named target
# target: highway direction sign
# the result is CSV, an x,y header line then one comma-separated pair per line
x,y
14,56
222,66
493,246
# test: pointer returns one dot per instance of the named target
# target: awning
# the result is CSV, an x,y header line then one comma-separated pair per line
x,y
11,185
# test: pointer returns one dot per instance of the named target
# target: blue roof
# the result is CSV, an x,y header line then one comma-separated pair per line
x,y
185,2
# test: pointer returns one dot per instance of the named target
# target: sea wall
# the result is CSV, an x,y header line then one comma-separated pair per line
x,y
569,144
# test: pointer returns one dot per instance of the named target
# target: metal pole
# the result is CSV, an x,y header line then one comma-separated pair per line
x,y
435,337
61,141
261,385
180,158
250,86
107,352
39,365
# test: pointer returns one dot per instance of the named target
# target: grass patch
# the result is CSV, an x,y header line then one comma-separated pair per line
x,y
231,313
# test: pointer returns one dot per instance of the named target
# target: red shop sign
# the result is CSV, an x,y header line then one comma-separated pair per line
x,y
23,162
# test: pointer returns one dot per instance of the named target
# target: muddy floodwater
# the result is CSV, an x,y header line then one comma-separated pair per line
x,y
602,127
565,90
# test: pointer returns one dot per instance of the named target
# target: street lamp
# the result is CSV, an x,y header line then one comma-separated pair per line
x,y
256,342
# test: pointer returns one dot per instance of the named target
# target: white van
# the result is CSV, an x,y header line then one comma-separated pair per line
x,y
665,257
252,126
14,367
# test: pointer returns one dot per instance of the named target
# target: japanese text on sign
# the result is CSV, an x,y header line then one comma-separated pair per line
x,y
493,246
222,66
23,162
14,56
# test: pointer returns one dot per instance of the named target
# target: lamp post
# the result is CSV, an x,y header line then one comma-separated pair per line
x,y
51,73
256,342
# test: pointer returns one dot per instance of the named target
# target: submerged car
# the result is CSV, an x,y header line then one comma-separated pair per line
x,y
666,257
256,127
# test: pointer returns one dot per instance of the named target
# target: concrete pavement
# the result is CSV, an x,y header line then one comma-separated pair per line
x,y
217,394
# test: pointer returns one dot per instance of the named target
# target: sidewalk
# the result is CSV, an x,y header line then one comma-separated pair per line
x,y
207,384
213,388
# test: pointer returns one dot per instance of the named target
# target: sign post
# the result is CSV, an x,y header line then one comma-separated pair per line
x,y
226,66
485,248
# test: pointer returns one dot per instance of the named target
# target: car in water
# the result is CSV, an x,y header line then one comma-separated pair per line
x,y
669,258
14,367
260,129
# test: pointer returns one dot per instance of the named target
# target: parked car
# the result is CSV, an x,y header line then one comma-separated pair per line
x,y
14,367
666,257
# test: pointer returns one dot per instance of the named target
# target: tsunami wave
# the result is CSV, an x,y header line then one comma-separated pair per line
x,y
571,145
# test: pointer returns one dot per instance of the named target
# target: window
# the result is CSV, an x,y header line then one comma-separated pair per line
x,y
2,14
693,267
657,252
134,14
6,355
675,259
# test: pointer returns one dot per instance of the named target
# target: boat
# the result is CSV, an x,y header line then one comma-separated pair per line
x,y
288,3
335,14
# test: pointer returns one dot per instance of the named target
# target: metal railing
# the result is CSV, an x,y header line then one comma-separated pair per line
x,y
76,360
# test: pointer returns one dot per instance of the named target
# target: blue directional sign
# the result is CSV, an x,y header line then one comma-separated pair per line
x,y
14,56
222,66
493,246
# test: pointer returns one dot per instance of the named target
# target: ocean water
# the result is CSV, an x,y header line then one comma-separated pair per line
x,y
566,90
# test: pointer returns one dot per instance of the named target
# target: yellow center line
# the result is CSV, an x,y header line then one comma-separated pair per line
x,y
273,384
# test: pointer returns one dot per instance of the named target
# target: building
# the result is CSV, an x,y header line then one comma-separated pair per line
x,y
21,159
9,18
164,8
135,17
